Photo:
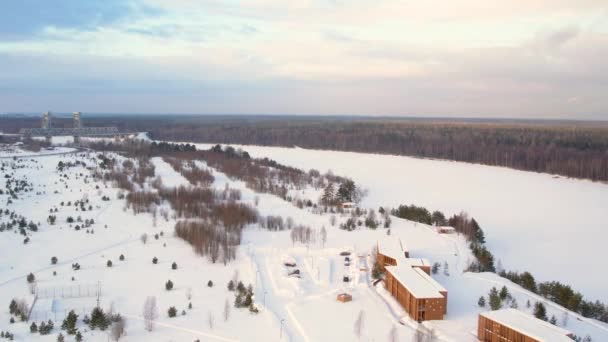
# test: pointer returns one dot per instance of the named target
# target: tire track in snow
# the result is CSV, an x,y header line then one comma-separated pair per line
x,y
192,331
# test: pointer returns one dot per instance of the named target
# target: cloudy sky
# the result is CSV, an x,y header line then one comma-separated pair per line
x,y
484,58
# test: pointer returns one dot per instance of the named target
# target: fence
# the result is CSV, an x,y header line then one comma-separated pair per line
x,y
59,315
70,291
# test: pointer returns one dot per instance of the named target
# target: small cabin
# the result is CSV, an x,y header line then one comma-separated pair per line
x,y
348,205
446,230
344,297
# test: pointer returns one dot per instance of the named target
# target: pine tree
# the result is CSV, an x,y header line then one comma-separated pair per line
x,y
169,285
231,285
540,311
78,337
60,338
504,293
481,302
33,328
495,302
553,320
69,323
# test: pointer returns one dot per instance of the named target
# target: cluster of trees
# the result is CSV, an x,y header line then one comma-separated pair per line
x,y
413,213
465,225
561,294
18,308
209,240
498,299
243,296
569,149
303,234
142,201
194,174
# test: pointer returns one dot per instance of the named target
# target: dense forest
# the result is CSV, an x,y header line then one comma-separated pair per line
x,y
573,149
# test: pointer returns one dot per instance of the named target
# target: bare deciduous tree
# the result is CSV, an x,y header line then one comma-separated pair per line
x,y
226,310
332,220
323,235
210,320
119,328
359,324
150,313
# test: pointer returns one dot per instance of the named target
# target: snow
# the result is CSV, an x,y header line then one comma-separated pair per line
x,y
528,325
430,280
298,309
533,222
416,284
392,247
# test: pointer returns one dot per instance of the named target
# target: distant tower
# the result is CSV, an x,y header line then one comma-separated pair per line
x,y
46,124
77,126
46,120
76,117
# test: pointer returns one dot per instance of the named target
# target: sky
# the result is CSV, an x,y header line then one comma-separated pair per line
x,y
457,58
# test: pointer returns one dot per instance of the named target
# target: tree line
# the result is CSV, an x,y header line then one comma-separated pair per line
x,y
573,149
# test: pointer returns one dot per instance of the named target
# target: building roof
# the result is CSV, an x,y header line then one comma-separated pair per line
x,y
528,325
416,284
417,262
430,280
392,247
446,228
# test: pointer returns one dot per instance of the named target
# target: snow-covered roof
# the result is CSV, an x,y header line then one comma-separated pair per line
x,y
446,228
416,284
528,325
392,247
417,262
431,281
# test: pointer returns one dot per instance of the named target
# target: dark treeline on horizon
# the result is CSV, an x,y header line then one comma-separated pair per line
x,y
573,149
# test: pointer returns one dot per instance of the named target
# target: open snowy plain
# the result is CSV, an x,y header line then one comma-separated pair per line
x,y
290,308
552,226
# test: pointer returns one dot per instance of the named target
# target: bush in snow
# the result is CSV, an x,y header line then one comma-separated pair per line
x,y
172,312
169,285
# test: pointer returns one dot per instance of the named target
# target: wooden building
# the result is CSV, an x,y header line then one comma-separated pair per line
x,y
437,287
512,325
420,263
344,297
415,293
390,251
446,230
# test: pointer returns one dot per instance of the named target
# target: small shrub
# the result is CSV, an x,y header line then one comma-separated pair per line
x,y
172,312
169,285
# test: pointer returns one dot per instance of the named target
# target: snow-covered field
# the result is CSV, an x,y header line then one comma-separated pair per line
x,y
291,309
554,227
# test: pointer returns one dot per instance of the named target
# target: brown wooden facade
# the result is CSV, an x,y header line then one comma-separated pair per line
x,y
489,330
419,309
384,260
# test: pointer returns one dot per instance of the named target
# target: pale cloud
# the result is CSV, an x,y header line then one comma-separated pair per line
x,y
385,57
